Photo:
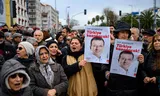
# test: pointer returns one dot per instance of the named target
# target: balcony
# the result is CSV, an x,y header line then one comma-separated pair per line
x,y
32,7
31,12
44,14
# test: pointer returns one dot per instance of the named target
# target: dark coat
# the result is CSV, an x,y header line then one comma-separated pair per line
x,y
120,85
99,75
24,92
40,86
26,62
73,68
151,88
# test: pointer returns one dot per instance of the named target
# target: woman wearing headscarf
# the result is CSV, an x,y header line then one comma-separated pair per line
x,y
47,77
78,71
14,79
25,53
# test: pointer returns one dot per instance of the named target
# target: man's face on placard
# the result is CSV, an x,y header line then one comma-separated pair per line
x,y
97,47
125,60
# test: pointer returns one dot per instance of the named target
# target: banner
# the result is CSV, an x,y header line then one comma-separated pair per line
x,y
2,11
97,44
125,57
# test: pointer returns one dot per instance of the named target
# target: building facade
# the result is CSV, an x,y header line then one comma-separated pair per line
x,y
34,13
21,13
50,16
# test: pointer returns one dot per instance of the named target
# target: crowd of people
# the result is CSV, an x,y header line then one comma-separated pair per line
x,y
33,62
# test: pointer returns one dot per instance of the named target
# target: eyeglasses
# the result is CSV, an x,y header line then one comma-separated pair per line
x,y
20,75
19,48
35,44
68,39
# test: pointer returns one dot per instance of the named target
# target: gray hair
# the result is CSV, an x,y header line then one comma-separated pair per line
x,y
137,30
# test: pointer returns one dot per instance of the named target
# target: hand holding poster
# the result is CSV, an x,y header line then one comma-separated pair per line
x,y
97,44
124,59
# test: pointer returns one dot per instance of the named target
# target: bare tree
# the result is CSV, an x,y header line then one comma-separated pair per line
x,y
74,23
110,15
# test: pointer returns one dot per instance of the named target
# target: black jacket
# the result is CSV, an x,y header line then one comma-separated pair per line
x,y
120,85
149,71
74,68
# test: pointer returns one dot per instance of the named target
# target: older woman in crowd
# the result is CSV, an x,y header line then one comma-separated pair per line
x,y
152,68
14,79
79,72
47,77
25,53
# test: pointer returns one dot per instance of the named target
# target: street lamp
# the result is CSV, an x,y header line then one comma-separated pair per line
x,y
55,4
154,15
131,13
67,15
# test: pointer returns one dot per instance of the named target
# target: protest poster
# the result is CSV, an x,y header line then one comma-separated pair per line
x,y
125,57
97,44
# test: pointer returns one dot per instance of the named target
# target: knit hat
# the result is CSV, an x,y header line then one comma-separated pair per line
x,y
51,42
7,34
28,46
26,79
31,40
149,32
30,30
16,35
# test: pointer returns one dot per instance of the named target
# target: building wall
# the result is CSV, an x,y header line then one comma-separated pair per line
x,y
49,16
34,13
21,13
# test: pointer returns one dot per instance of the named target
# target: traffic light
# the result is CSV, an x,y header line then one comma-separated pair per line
x,y
85,11
14,8
120,12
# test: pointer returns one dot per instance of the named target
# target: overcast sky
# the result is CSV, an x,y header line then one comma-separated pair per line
x,y
95,7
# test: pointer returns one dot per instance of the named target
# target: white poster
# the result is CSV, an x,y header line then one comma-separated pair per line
x,y
97,44
2,11
125,57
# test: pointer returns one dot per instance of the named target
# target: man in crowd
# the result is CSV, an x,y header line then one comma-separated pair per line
x,y
135,34
38,34
7,51
65,32
147,39
16,38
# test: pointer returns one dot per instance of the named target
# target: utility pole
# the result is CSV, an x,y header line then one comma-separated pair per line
x,y
131,14
154,25
55,4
